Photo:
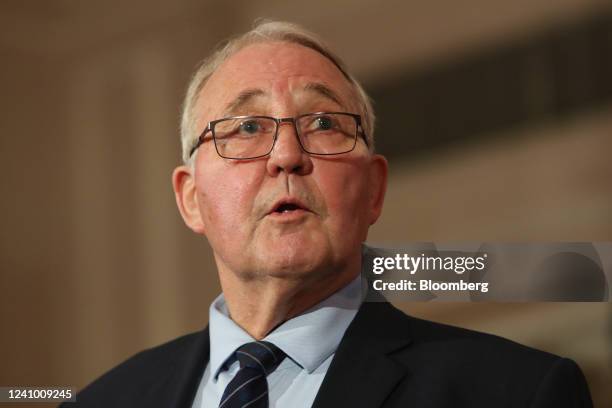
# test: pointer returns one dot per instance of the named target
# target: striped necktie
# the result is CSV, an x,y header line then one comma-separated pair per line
x,y
249,387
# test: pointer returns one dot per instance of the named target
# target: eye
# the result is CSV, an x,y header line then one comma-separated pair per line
x,y
324,123
250,126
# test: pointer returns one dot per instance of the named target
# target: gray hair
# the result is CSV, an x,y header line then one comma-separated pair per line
x,y
265,31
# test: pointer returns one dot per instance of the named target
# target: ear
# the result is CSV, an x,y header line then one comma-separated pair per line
x,y
185,192
379,169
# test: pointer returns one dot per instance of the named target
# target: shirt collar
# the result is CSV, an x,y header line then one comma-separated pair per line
x,y
308,339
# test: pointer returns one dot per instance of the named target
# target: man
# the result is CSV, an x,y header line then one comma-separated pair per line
x,y
281,178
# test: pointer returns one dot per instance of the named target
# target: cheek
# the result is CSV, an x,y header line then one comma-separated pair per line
x,y
226,194
346,198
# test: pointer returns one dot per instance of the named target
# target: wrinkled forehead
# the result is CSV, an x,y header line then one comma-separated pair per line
x,y
273,75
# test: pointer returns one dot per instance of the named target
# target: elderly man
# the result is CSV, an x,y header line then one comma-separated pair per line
x,y
281,178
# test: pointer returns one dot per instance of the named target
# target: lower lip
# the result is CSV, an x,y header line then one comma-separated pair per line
x,y
288,215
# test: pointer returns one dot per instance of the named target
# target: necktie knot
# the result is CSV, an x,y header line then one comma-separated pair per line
x,y
249,387
260,355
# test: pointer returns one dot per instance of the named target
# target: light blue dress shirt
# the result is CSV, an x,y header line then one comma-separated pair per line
x,y
309,340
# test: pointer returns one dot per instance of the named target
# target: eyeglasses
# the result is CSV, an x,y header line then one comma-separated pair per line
x,y
251,137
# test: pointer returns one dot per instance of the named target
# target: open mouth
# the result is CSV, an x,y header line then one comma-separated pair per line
x,y
288,206
283,208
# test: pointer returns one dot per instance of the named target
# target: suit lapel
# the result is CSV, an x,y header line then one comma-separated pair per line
x,y
362,373
183,378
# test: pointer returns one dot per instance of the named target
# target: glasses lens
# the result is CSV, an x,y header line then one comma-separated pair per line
x,y
327,133
244,138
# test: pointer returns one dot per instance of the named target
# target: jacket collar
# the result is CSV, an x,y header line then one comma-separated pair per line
x,y
363,373
363,358
184,377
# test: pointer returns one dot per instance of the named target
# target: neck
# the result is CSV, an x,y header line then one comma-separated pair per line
x,y
259,305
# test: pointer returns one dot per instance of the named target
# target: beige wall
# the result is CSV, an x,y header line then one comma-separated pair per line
x,y
550,183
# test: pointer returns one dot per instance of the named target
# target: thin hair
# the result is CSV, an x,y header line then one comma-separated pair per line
x,y
264,31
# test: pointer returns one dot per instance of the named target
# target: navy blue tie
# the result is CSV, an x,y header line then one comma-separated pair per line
x,y
249,387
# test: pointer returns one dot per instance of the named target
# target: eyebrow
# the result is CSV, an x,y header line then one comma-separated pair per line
x,y
241,100
324,91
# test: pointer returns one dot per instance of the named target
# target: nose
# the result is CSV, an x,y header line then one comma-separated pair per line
x,y
287,155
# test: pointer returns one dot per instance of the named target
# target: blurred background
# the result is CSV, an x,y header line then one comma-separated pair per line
x,y
496,117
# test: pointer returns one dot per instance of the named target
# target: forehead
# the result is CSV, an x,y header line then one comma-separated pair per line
x,y
279,69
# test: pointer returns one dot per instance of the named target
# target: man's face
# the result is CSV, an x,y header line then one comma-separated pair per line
x,y
238,204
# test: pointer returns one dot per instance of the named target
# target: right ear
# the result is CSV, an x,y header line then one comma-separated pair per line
x,y
185,192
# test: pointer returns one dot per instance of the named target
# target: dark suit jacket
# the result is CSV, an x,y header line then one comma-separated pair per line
x,y
386,359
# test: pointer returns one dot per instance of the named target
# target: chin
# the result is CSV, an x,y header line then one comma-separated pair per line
x,y
295,262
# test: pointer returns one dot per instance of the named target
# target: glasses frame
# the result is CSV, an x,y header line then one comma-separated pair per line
x,y
210,127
